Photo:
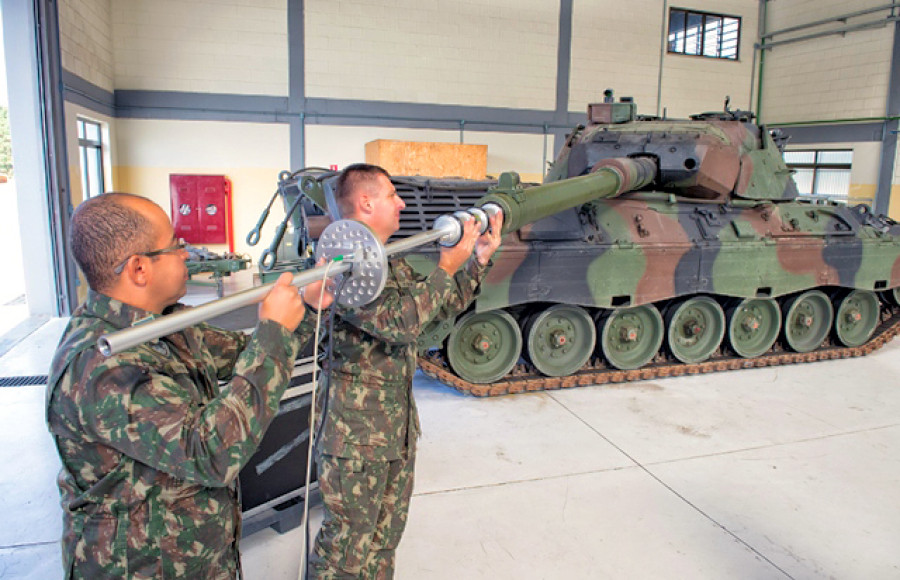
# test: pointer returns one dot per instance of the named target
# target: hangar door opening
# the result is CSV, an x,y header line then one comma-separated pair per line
x,y
13,302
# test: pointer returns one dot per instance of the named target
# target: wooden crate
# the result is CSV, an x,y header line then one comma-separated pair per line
x,y
432,159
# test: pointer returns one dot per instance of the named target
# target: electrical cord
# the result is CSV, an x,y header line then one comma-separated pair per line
x,y
313,431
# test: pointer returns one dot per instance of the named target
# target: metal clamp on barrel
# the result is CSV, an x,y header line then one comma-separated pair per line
x,y
452,224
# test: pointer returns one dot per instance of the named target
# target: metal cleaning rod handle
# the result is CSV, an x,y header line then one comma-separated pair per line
x,y
121,340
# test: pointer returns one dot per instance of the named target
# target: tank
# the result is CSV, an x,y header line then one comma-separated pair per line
x,y
658,247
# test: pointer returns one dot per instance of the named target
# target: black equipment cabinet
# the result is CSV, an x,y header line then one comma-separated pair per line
x,y
272,482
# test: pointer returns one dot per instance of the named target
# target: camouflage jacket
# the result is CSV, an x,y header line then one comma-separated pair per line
x,y
370,412
151,444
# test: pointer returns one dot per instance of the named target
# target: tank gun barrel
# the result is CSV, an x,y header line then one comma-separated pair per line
x,y
608,178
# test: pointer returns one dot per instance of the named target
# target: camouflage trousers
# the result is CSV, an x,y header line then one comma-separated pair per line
x,y
366,504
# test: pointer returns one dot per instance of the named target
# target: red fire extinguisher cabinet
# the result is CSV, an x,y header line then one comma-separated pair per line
x,y
201,208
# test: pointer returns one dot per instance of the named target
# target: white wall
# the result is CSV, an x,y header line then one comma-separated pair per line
x,y
217,46
493,53
617,45
155,143
832,77
86,45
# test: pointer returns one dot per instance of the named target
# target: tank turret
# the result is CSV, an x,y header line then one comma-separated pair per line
x,y
712,156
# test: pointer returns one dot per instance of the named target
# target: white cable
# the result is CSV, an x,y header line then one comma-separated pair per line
x,y
312,428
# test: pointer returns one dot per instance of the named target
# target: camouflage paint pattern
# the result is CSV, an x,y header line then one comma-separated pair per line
x,y
368,423
660,250
151,444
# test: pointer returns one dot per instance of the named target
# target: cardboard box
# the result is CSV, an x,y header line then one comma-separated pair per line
x,y
431,159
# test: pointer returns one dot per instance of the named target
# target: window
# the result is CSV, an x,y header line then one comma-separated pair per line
x,y
825,173
90,150
704,34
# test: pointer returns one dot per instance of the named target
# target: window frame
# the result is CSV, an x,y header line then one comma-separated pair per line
x,y
702,40
818,165
91,151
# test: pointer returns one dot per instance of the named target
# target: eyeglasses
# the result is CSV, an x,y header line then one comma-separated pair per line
x,y
179,245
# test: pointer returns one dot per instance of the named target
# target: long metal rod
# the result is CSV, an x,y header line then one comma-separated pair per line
x,y
122,340
417,240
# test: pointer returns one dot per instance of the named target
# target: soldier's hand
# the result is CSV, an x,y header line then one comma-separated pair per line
x,y
283,304
454,257
312,292
489,241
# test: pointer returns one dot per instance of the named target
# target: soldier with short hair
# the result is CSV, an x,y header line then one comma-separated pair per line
x,y
151,443
368,426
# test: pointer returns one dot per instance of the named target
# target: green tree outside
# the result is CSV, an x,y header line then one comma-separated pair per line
x,y
6,158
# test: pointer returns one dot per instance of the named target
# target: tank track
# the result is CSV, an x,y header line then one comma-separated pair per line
x,y
524,379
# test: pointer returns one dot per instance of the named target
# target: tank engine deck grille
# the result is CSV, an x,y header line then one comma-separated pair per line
x,y
426,200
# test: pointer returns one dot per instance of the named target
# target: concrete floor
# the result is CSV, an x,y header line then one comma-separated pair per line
x,y
789,472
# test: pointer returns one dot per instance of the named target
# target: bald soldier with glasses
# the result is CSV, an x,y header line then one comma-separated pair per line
x,y
152,439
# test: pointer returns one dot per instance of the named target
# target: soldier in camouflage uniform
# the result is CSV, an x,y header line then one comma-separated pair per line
x,y
150,443
366,443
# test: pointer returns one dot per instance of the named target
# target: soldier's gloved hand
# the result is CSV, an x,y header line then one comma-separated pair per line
x,y
312,292
283,304
454,257
489,241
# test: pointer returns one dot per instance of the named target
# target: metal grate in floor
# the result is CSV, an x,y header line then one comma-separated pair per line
x,y
23,381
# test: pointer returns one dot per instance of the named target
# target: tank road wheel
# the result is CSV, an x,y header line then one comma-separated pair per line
x,y
807,320
753,326
484,346
856,317
560,340
695,328
630,337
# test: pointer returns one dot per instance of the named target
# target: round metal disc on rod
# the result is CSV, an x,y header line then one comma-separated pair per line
x,y
352,238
